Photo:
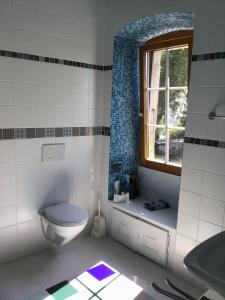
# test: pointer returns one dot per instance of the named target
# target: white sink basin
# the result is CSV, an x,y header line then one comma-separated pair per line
x,y
207,261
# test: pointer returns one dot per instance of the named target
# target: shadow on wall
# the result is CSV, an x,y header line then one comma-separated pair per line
x,y
46,190
125,127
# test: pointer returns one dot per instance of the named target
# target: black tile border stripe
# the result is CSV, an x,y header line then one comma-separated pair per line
x,y
31,133
73,63
204,142
53,60
208,56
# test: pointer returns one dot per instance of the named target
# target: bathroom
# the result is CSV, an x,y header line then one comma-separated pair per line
x,y
57,85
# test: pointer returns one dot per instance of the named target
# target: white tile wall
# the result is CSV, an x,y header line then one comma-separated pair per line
x,y
6,37
7,119
23,41
197,125
6,97
202,44
8,216
7,195
37,27
80,99
187,226
34,94
5,9
199,100
96,80
7,152
26,232
193,156
216,129
191,180
208,73
6,69
24,94
212,210
189,203
213,160
9,245
184,245
206,230
214,186
50,95
81,78
7,173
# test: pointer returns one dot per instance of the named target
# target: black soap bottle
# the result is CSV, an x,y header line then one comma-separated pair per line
x,y
133,186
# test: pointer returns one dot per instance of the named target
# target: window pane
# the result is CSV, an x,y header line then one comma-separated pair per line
x,y
177,108
156,114
176,140
157,71
156,144
178,67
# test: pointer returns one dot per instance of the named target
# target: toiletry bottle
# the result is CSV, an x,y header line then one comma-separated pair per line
x,y
117,187
127,183
133,186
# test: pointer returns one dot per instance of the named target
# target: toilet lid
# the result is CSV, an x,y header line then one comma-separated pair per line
x,y
66,214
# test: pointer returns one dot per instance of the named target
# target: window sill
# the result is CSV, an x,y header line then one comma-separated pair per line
x,y
162,167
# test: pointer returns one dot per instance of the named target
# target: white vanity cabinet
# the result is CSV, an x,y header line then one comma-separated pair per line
x,y
124,228
152,242
142,236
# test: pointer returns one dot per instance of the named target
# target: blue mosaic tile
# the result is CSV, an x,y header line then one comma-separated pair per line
x,y
146,28
124,129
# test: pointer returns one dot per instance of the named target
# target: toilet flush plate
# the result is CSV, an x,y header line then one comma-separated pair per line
x,y
53,152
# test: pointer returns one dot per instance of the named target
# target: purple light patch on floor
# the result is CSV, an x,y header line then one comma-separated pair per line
x,y
100,272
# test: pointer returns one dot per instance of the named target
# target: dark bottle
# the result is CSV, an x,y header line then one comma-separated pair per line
x,y
133,186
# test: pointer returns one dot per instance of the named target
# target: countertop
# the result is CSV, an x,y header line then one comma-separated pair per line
x,y
166,218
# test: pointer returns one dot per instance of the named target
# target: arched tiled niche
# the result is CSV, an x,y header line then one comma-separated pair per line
x,y
124,130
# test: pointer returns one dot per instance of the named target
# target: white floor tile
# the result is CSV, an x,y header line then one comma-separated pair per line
x,y
15,282
38,271
17,287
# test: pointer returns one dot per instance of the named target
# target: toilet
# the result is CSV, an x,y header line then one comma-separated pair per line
x,y
62,222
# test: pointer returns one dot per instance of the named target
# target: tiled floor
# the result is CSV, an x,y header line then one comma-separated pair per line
x,y
41,270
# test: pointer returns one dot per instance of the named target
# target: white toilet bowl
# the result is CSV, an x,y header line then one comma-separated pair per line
x,y
63,222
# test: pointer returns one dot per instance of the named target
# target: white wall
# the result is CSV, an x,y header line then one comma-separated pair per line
x,y
155,185
36,94
202,195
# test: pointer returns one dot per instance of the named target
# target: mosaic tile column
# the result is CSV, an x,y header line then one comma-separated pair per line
x,y
124,129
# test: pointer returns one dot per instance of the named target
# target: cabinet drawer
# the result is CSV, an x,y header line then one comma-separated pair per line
x,y
152,242
124,228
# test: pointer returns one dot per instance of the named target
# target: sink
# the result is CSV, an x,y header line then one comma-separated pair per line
x,y
207,261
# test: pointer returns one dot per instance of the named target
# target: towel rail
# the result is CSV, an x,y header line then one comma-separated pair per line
x,y
213,115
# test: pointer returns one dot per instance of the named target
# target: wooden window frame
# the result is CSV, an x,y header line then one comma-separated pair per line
x,y
168,40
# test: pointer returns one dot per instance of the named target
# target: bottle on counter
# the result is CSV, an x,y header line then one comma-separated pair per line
x,y
117,187
133,186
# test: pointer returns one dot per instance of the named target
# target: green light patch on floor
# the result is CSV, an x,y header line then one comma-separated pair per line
x,y
62,290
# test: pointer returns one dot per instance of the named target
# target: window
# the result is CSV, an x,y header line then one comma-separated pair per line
x,y
165,68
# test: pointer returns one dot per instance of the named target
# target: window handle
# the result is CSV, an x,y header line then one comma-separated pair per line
x,y
141,115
